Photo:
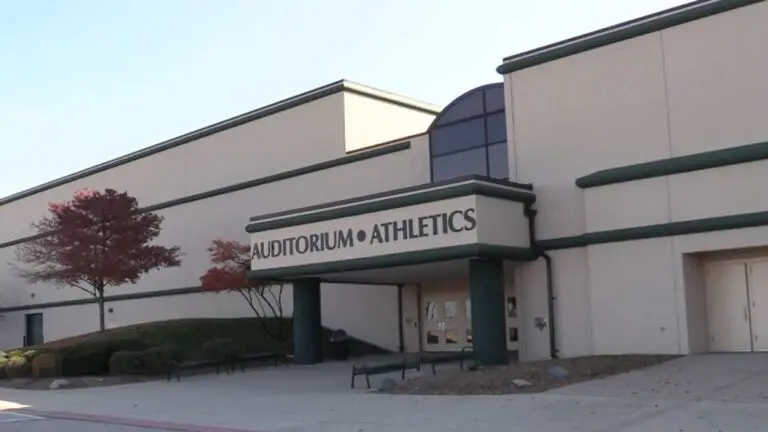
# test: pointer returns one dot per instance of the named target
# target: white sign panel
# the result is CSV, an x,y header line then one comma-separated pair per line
x,y
426,226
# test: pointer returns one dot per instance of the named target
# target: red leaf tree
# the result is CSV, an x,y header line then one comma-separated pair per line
x,y
94,241
231,261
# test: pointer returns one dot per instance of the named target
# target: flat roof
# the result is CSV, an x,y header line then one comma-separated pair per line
x,y
267,110
619,32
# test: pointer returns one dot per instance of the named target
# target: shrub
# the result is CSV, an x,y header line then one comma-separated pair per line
x,y
47,365
3,354
92,358
219,349
3,362
18,367
157,360
127,363
31,354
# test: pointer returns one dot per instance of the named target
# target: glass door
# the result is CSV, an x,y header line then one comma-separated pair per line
x,y
446,323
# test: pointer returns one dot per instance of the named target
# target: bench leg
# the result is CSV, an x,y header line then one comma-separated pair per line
x,y
367,379
434,372
352,385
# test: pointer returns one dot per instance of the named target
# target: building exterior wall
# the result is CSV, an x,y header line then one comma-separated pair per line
x,y
684,90
170,180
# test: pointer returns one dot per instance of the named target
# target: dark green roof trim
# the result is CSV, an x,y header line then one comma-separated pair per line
x,y
268,110
416,195
409,189
676,165
720,223
309,169
478,250
107,299
627,30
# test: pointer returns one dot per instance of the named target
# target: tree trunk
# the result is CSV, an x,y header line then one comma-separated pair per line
x,y
100,301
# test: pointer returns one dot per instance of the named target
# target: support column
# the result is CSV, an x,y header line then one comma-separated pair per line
x,y
307,324
489,324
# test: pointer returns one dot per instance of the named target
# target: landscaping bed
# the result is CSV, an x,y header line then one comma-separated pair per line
x,y
150,351
501,379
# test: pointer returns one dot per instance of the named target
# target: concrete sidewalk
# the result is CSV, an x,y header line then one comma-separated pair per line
x,y
704,393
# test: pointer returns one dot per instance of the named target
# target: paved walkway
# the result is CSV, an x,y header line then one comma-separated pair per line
x,y
698,394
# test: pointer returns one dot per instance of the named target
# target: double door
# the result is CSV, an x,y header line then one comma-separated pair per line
x,y
447,321
737,306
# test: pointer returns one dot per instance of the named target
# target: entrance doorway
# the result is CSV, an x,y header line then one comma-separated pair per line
x,y
33,329
737,306
447,320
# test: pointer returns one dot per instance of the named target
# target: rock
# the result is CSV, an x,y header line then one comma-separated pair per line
x,y
388,384
559,372
521,383
59,384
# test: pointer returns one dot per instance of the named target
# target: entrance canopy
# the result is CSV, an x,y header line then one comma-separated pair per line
x,y
405,231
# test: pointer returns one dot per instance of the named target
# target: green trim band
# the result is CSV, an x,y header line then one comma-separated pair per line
x,y
425,194
309,169
478,250
265,111
107,299
676,165
697,226
620,32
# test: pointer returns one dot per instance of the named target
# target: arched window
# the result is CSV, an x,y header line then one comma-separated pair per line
x,y
470,136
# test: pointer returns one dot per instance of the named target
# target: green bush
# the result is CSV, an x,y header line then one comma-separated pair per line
x,y
18,367
92,358
157,360
3,362
219,349
127,363
31,354
47,365
3,354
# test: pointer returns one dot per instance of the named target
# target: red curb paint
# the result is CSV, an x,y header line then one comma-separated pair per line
x,y
124,421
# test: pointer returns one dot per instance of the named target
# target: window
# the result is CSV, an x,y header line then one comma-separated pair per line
x,y
460,164
498,161
457,137
470,136
496,128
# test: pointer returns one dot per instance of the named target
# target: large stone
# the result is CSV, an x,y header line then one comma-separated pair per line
x,y
387,384
521,383
559,372
59,384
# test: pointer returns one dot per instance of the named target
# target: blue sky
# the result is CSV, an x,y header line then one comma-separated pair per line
x,y
84,81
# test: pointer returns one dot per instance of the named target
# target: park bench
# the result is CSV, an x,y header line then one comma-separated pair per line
x,y
175,367
400,365
243,358
465,355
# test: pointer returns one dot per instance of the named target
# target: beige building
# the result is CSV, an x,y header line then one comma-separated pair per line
x,y
604,199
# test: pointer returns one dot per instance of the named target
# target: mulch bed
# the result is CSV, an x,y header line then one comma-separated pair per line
x,y
499,379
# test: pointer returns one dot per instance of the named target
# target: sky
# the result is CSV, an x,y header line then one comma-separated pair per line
x,y
85,81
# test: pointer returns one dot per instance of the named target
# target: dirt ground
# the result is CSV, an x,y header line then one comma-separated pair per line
x,y
499,379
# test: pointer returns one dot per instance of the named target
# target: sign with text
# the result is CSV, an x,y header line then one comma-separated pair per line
x,y
443,223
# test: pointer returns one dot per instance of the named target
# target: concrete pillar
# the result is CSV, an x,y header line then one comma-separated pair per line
x,y
487,295
307,324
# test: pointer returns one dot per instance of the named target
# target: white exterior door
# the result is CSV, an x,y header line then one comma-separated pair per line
x,y
446,322
758,304
728,311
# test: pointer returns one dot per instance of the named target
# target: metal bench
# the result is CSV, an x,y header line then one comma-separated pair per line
x,y
243,358
466,354
381,368
175,367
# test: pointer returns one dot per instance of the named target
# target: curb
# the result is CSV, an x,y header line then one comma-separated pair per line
x,y
126,421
